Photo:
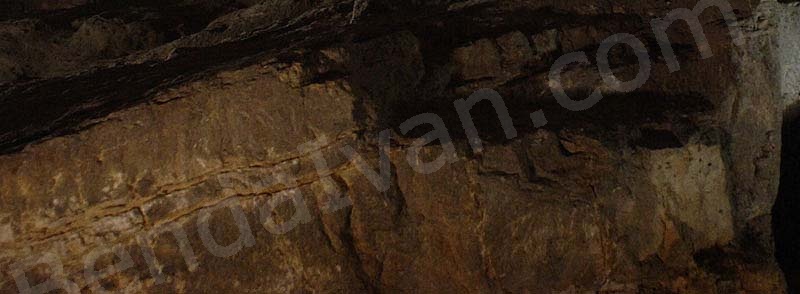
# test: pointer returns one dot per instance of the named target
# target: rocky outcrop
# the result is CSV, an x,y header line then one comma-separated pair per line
x,y
248,151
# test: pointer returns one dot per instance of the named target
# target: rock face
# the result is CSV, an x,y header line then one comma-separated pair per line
x,y
339,146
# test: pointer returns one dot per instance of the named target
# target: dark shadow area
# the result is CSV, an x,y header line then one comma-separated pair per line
x,y
786,212
616,114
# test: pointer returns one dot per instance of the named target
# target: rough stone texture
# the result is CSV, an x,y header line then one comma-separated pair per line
x,y
786,18
163,120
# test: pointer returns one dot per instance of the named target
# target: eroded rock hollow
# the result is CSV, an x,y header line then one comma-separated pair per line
x,y
376,146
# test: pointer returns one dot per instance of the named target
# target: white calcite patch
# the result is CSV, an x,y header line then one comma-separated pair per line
x,y
691,183
788,37
782,22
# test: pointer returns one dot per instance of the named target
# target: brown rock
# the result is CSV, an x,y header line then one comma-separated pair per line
x,y
197,147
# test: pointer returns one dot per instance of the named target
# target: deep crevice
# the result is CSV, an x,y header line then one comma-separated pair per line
x,y
785,216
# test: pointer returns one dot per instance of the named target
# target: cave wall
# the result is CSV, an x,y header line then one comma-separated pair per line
x,y
148,160
787,20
